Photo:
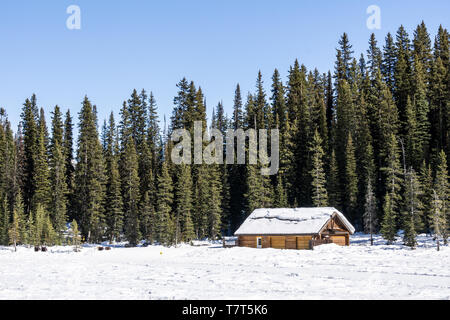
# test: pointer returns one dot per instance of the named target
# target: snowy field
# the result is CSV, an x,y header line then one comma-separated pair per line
x,y
212,272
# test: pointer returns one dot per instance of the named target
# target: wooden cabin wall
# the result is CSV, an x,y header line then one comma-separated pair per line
x,y
277,242
303,242
339,240
247,241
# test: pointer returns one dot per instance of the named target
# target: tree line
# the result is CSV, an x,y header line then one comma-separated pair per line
x,y
370,139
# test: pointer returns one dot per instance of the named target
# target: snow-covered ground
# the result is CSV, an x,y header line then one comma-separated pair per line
x,y
212,272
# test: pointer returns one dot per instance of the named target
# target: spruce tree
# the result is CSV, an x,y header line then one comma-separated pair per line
x,y
236,171
280,195
76,239
299,111
393,179
18,210
184,201
388,226
319,191
426,198
114,204
89,176
69,163
14,230
30,134
422,112
202,193
351,180
130,192
422,46
370,212
164,205
38,226
389,61
147,218
58,198
41,174
438,220
441,190
412,215
343,59
4,221
402,72
214,205
278,101
333,186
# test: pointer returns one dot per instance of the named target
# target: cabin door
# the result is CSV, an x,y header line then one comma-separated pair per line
x,y
258,242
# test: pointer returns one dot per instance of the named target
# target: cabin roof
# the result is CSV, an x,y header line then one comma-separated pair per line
x,y
295,221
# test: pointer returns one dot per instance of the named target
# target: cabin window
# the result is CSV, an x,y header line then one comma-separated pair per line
x,y
259,242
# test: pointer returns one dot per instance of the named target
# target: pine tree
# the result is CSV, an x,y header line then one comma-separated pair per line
x,y
319,192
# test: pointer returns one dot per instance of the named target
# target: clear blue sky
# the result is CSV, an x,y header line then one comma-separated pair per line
x,y
153,44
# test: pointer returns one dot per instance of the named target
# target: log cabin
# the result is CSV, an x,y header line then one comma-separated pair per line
x,y
299,228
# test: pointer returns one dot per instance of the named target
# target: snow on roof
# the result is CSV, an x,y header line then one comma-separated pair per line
x,y
290,221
